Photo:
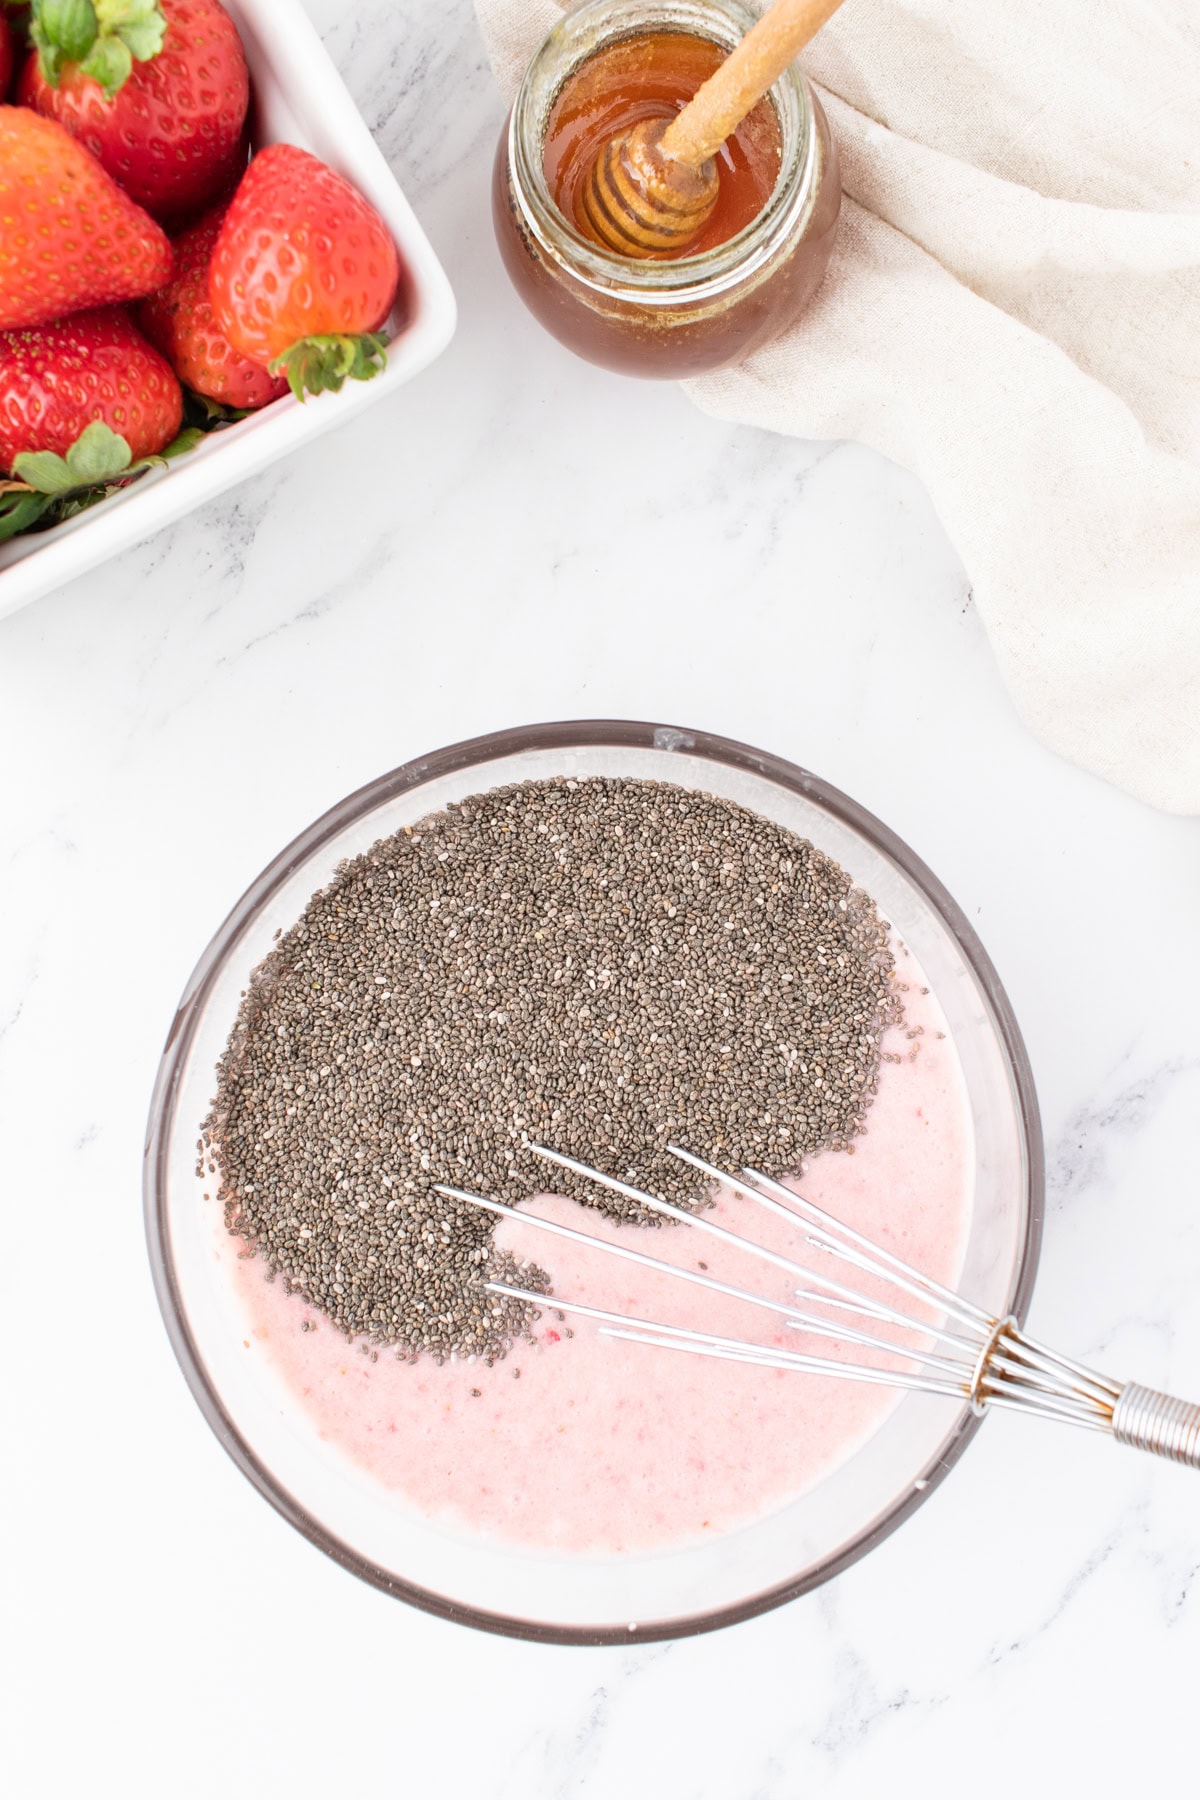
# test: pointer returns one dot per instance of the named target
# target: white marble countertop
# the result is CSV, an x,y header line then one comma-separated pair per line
x,y
436,571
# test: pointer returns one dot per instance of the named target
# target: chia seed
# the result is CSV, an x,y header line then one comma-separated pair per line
x,y
603,966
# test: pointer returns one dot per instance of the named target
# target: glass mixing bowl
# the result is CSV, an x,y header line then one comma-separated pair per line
x,y
550,1596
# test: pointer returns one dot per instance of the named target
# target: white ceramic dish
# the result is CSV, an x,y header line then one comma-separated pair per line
x,y
299,98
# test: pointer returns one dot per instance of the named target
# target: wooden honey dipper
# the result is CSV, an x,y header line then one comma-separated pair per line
x,y
654,188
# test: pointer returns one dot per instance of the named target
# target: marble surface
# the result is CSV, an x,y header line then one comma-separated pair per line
x,y
442,569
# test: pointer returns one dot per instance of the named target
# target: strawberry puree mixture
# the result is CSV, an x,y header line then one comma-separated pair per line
x,y
583,1443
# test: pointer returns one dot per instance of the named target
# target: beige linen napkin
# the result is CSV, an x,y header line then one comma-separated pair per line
x,y
1013,311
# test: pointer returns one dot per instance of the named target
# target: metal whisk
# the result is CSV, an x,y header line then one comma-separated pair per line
x,y
966,1353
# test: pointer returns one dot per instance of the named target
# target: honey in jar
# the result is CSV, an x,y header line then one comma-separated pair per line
x,y
654,77
761,255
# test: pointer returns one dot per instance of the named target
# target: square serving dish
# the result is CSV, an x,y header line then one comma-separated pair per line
x,y
299,98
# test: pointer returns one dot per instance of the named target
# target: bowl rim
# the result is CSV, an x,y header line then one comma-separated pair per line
x,y
478,752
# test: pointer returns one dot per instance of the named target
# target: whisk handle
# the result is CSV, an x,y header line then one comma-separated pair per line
x,y
1159,1423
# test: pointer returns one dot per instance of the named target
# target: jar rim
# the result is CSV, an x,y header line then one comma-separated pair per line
x,y
573,41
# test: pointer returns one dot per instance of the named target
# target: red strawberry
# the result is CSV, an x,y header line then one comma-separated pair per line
x,y
304,273
169,125
56,380
179,321
69,238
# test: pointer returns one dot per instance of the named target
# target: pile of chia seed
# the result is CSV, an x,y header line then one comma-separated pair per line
x,y
602,966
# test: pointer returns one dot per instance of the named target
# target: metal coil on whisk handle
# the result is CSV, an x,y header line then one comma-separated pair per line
x,y
1018,1373
1148,1420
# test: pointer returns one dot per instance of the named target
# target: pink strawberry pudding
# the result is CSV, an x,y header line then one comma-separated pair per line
x,y
580,1443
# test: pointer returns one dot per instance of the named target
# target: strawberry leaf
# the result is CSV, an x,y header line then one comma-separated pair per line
x,y
322,365
187,440
139,24
19,510
45,472
98,455
104,37
61,31
110,64
209,415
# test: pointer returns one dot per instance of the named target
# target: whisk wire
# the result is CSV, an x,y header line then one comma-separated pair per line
x,y
697,1220
686,1338
795,1317
980,1359
874,1259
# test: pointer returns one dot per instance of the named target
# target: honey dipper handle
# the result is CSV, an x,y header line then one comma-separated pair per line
x,y
743,78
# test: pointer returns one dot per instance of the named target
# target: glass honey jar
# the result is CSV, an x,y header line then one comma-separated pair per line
x,y
605,64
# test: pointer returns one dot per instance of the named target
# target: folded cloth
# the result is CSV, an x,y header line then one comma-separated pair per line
x,y
1013,312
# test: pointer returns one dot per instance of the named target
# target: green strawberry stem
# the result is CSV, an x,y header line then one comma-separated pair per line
x,y
103,37
322,365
